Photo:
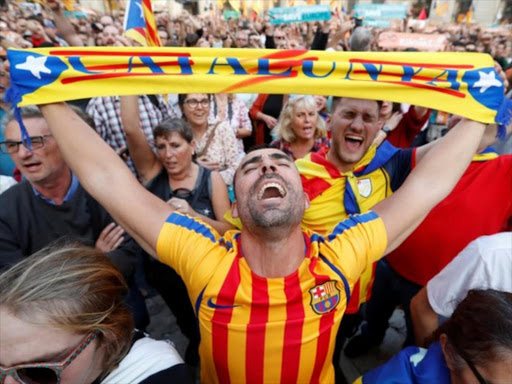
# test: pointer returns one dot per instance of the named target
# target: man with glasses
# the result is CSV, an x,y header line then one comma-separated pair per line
x,y
50,203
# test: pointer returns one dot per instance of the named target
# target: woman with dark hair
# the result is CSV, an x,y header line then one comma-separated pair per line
x,y
172,175
474,346
63,321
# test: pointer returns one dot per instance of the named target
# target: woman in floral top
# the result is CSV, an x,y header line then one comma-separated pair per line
x,y
216,144
226,107
300,130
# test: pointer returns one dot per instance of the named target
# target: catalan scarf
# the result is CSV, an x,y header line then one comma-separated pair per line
x,y
488,153
313,180
465,84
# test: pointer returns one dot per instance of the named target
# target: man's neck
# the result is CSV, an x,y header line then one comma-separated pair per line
x,y
340,165
273,256
55,189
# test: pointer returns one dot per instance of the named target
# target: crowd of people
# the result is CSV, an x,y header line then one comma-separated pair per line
x,y
281,230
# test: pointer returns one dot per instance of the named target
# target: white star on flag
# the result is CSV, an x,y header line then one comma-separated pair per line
x,y
141,10
35,65
487,80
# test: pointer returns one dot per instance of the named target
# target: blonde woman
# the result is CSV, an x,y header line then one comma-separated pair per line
x,y
300,129
64,322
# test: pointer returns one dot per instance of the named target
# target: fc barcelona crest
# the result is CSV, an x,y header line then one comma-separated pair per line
x,y
364,187
324,297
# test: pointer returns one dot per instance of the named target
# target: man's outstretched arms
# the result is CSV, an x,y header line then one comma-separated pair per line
x,y
104,175
430,182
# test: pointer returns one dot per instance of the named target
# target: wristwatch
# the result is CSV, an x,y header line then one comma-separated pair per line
x,y
386,129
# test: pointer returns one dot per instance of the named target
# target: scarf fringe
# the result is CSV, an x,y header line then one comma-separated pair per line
x,y
503,118
13,96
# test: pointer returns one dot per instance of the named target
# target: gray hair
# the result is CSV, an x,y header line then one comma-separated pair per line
x,y
33,112
27,112
361,39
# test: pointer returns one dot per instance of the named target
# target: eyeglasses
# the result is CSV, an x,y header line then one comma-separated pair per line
x,y
10,146
477,374
471,366
193,103
45,373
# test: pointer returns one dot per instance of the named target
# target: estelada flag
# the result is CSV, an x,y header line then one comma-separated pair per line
x,y
461,83
139,23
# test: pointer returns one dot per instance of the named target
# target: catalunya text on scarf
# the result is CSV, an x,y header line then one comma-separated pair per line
x,y
465,84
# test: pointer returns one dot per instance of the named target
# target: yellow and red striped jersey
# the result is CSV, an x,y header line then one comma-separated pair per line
x,y
269,330
325,187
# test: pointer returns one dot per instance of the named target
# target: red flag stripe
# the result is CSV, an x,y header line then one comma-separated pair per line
x,y
255,345
325,328
322,346
220,320
293,329
150,23
353,304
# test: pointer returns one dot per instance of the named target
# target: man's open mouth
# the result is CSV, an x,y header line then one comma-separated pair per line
x,y
271,190
353,141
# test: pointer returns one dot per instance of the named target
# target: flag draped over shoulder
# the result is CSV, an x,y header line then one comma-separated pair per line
x,y
461,83
139,23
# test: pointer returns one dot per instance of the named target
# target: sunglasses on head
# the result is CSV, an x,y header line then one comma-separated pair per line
x,y
44,373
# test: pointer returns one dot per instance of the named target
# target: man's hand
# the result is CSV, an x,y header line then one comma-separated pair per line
x,y
110,238
326,26
181,206
123,41
394,120
347,26
54,5
211,165
269,121
502,75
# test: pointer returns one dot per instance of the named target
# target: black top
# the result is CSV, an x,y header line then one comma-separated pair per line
x,y
28,224
199,198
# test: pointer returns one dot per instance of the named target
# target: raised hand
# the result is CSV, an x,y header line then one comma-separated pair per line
x,y
110,238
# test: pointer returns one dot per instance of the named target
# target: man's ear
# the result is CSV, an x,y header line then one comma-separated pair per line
x,y
307,203
234,210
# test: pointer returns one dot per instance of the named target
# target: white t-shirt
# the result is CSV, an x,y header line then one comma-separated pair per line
x,y
6,182
146,358
485,263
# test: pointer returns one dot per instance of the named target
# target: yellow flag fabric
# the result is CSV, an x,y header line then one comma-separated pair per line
x,y
461,83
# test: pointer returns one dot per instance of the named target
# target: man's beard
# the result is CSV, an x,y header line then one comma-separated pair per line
x,y
279,216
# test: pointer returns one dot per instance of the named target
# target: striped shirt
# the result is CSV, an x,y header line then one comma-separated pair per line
x,y
325,187
269,330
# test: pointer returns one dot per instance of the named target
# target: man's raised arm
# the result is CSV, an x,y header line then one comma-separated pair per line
x,y
104,175
430,182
